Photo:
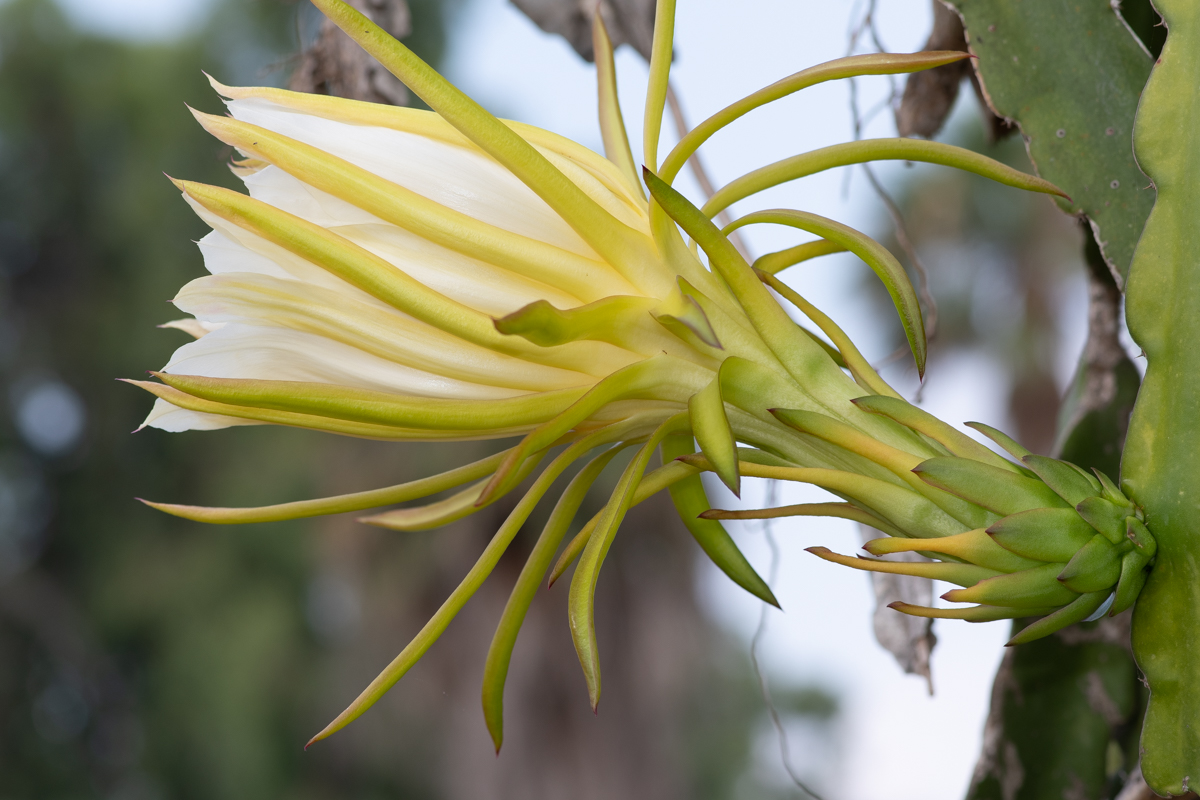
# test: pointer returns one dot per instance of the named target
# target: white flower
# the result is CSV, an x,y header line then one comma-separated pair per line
x,y
404,274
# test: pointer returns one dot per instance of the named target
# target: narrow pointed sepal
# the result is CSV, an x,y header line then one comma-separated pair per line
x,y
495,670
975,547
710,425
1110,490
922,421
1079,609
1133,577
992,488
1069,482
961,574
1096,566
682,314
1104,516
1006,442
608,320
1139,534
357,501
1030,588
612,122
1043,534
691,502
875,255
774,263
972,614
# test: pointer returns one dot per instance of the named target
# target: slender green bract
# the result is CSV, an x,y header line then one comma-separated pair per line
x,y
874,254
840,155
1159,467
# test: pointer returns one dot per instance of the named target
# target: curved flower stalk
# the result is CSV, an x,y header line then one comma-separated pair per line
x,y
410,275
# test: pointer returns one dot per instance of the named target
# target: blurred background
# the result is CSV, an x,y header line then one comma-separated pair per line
x,y
143,657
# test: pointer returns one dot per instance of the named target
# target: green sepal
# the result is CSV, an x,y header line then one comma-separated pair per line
x,y
972,614
682,309
612,123
847,511
898,462
848,356
379,408
774,263
1104,517
974,547
691,501
868,150
1111,492
896,505
581,597
442,512
961,574
1070,484
753,455
1006,442
495,671
1043,534
1079,609
803,359
875,255
1028,588
1141,537
660,378
651,484
313,422
711,428
922,421
992,488
848,67
474,578
357,501
748,385
1129,585
609,319
830,350
1096,566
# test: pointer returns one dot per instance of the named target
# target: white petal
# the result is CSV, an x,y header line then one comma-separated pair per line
x,y
230,248
474,283
459,178
264,353
174,419
193,327
264,301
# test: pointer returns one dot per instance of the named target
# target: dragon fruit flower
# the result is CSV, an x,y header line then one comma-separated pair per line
x,y
445,275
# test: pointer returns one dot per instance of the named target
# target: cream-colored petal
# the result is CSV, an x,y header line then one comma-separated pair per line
x,y
261,300
193,327
430,125
618,205
265,353
456,177
474,283
230,248
174,419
